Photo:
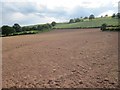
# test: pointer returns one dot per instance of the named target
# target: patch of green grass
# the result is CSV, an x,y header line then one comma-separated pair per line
x,y
31,32
89,23
26,32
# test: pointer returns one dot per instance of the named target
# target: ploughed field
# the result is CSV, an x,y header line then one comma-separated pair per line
x,y
79,58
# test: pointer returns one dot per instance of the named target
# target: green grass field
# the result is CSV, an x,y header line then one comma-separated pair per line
x,y
89,23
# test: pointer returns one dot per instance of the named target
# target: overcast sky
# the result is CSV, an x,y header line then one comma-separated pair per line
x,y
29,12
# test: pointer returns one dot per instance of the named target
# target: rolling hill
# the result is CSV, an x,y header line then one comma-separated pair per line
x,y
94,23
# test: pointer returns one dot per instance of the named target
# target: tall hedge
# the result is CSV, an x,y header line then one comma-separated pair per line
x,y
103,27
7,30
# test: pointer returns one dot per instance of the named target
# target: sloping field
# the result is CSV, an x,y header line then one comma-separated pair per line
x,y
89,23
61,58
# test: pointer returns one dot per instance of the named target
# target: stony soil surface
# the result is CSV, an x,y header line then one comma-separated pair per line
x,y
61,59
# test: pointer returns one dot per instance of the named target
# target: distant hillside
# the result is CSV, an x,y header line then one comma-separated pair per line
x,y
97,22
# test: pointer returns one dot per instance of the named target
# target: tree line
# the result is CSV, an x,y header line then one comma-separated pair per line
x,y
16,28
105,27
116,15
81,19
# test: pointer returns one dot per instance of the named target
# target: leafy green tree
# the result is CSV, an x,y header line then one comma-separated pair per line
x,y
17,27
44,26
113,16
91,17
118,15
77,20
85,17
106,15
23,28
26,28
71,21
47,26
39,27
103,27
7,30
34,28
53,23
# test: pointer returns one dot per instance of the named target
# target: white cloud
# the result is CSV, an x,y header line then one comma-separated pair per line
x,y
109,13
17,16
70,3
43,11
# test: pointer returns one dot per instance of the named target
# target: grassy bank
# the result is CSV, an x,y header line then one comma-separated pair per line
x,y
94,23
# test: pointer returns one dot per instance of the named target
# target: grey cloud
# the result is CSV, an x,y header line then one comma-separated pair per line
x,y
56,12
28,8
59,12
22,7
82,11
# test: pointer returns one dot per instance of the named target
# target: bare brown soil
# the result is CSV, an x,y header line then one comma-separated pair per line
x,y
80,58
